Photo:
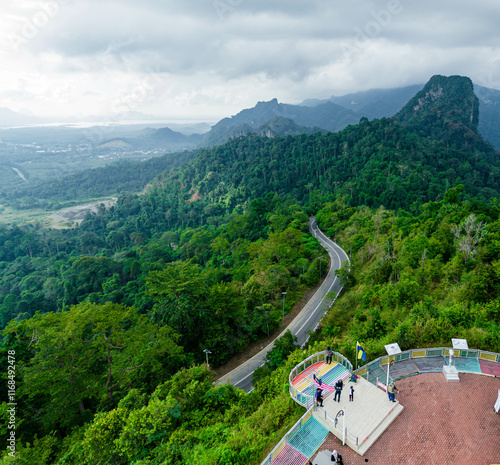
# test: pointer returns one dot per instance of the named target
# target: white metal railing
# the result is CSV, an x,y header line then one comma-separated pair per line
x,y
351,440
365,370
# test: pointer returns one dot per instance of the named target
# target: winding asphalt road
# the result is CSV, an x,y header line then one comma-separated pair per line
x,y
308,319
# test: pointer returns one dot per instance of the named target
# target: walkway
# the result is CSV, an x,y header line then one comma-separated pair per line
x,y
303,444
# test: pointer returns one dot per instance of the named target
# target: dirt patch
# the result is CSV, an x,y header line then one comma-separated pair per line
x,y
196,196
77,213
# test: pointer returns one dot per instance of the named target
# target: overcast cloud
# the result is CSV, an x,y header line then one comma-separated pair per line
x,y
205,59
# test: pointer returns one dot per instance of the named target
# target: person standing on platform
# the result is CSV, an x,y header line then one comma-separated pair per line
x,y
391,389
329,355
319,397
338,390
351,394
337,458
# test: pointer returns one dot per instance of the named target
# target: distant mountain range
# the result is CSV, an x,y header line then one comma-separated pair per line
x,y
336,113
279,119
13,118
428,146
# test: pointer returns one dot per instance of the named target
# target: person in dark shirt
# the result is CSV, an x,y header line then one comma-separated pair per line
x,y
338,390
329,355
319,397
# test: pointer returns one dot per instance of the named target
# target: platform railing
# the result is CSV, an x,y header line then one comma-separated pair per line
x,y
380,362
351,440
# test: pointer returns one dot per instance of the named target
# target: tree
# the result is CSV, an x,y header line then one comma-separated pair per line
x,y
282,348
90,356
468,235
346,278
180,293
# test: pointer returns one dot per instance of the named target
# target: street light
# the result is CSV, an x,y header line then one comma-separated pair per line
x,y
206,353
284,294
267,321
392,350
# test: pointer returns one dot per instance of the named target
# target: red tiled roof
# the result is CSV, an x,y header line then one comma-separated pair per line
x,y
444,423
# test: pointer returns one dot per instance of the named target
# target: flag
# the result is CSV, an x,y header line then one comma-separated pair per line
x,y
361,354
325,387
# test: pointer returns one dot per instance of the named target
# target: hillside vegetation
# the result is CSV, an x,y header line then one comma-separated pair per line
x,y
109,320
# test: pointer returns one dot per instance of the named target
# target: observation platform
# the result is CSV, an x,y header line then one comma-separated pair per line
x,y
366,418
418,375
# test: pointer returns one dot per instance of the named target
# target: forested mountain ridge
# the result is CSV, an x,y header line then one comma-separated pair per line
x,y
385,103
327,116
392,162
267,120
336,113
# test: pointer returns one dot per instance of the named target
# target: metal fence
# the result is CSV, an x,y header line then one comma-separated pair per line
x,y
375,370
351,440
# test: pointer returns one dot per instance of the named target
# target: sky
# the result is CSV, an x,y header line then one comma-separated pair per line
x,y
206,59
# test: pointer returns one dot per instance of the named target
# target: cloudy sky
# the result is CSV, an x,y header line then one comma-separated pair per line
x,y
205,59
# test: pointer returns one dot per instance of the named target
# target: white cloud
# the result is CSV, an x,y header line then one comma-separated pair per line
x,y
187,58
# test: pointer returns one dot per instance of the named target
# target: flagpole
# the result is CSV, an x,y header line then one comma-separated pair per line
x,y
356,359
356,355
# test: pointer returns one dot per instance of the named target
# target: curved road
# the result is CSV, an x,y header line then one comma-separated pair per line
x,y
305,321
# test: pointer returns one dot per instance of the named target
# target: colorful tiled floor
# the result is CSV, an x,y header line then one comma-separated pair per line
x,y
328,373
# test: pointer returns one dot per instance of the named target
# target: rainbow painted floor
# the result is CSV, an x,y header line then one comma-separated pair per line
x,y
328,373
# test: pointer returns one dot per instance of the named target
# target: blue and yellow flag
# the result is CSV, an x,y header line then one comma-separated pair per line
x,y
361,354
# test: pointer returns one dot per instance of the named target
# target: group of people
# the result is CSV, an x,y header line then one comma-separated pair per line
x,y
339,385
391,390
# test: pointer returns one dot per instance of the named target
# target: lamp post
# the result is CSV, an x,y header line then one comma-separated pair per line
x,y
284,294
389,363
391,349
341,413
206,353
267,321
